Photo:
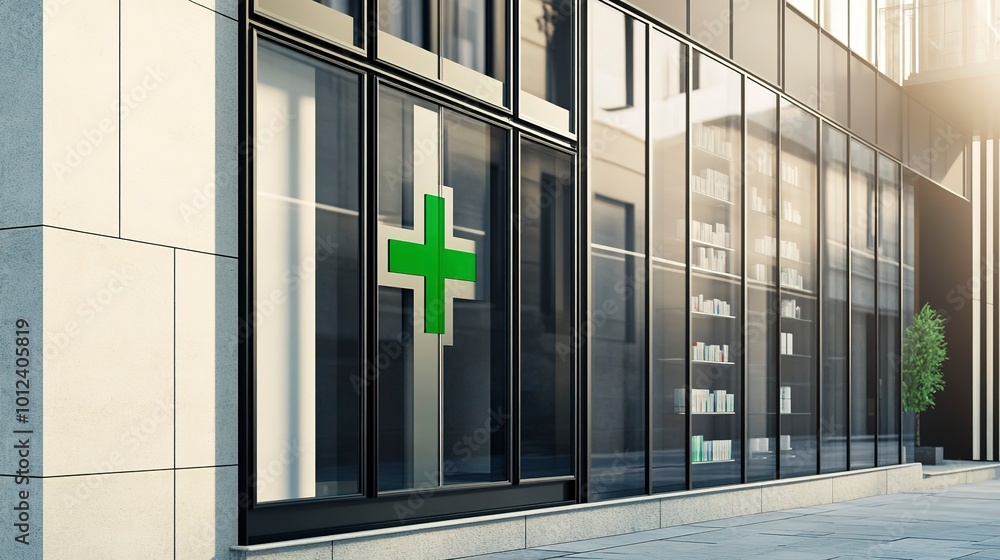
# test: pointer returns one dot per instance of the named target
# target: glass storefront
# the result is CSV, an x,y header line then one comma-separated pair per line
x,y
622,266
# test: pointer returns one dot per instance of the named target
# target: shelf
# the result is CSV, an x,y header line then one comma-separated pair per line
x,y
712,245
796,319
713,198
711,413
713,363
802,356
797,290
714,315
710,462
719,158
711,274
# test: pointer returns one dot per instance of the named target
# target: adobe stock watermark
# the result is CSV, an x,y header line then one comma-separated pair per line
x,y
92,138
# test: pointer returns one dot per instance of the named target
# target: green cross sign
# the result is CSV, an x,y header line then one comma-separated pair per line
x,y
432,261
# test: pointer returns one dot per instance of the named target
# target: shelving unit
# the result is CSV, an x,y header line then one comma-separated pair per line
x,y
798,287
716,277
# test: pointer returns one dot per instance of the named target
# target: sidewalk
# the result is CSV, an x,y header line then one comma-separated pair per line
x,y
955,522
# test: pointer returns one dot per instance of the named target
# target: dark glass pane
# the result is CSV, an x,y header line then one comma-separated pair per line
x,y
547,51
864,324
409,430
834,98
473,34
668,115
762,282
710,21
798,260
308,351
801,59
835,306
443,376
890,31
412,21
919,132
548,241
756,37
618,275
888,305
716,225
863,100
910,180
475,366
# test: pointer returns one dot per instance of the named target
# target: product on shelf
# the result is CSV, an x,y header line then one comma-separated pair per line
x,y
786,344
716,353
704,401
703,451
713,260
785,402
791,309
701,304
790,278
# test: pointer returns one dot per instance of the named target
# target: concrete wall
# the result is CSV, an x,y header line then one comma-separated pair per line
x,y
118,238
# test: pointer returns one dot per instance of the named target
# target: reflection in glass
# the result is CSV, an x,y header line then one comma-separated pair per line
x,y
890,38
716,274
835,306
888,317
863,29
834,18
807,7
308,351
618,259
547,246
909,304
547,57
863,100
412,21
798,274
762,279
671,12
473,35
668,223
475,366
864,324
440,402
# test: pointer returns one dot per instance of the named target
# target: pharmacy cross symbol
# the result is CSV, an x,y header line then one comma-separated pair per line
x,y
427,258
432,260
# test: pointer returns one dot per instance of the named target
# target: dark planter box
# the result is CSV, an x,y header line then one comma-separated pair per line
x,y
929,455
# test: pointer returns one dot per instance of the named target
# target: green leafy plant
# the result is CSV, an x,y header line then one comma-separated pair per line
x,y
924,352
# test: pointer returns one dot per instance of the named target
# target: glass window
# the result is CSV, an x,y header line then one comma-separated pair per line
x,y
668,224
807,7
710,21
307,202
888,313
547,77
547,249
798,259
890,116
618,254
468,34
863,29
339,20
909,304
443,404
762,282
863,100
716,227
756,37
834,96
890,38
835,306
671,12
801,45
864,319
834,18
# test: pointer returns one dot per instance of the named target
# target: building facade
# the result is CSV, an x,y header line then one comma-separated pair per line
x,y
278,274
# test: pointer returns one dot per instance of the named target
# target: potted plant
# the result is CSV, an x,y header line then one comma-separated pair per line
x,y
924,351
